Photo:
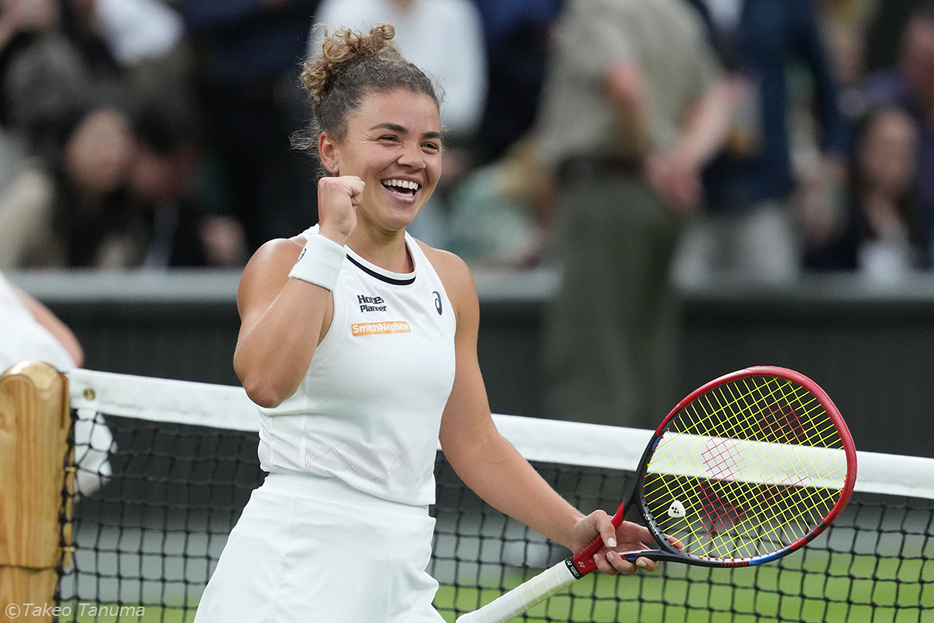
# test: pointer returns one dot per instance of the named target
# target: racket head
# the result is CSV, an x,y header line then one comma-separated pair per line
x,y
747,468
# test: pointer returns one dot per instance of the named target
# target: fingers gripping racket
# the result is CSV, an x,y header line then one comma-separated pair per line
x,y
746,469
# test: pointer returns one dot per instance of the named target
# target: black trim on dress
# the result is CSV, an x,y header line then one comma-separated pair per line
x,y
381,277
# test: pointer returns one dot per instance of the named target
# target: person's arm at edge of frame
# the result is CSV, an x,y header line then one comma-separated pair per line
x,y
53,324
489,464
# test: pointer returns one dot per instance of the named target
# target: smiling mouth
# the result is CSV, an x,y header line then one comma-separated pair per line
x,y
403,187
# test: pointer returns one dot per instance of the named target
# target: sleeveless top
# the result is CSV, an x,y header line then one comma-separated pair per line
x,y
368,411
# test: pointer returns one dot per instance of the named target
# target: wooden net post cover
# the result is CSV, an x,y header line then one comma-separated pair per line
x,y
35,420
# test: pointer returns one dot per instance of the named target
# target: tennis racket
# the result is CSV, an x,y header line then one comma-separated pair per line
x,y
746,469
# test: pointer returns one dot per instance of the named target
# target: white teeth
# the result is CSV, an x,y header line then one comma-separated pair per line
x,y
401,184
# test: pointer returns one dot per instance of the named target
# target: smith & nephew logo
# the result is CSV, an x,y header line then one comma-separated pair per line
x,y
380,328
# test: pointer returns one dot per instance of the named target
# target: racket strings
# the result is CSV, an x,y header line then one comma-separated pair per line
x,y
777,500
732,416
820,431
769,470
723,528
734,507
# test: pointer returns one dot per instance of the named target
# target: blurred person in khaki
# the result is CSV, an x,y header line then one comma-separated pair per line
x,y
633,107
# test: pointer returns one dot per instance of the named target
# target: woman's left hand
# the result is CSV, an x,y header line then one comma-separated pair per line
x,y
628,537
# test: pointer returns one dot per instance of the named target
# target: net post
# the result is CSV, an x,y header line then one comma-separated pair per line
x,y
35,487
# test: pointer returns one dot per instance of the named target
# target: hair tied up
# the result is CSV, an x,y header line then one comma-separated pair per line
x,y
341,50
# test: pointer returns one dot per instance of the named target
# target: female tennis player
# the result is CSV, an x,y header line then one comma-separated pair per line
x,y
358,343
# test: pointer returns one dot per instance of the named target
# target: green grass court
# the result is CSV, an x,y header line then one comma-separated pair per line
x,y
757,594
827,587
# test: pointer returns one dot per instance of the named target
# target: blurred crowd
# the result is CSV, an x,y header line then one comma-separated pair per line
x,y
156,133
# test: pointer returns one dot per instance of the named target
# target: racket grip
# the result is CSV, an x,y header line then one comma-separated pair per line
x,y
522,597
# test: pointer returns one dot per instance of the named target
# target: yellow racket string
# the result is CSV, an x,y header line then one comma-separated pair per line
x,y
743,498
737,500
746,469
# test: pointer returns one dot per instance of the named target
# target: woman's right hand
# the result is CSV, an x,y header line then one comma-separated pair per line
x,y
338,198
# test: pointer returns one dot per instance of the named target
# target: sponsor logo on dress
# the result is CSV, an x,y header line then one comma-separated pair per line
x,y
379,328
371,303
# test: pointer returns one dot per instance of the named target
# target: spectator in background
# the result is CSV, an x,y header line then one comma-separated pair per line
x,y
41,73
445,39
29,331
517,34
749,228
910,84
174,227
633,107
51,60
79,23
17,17
64,45
148,41
73,212
845,25
251,55
849,15
882,235
499,211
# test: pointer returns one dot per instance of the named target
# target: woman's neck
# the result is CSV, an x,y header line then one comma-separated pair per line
x,y
384,249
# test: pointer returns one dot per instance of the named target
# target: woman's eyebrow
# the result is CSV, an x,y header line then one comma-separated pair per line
x,y
395,127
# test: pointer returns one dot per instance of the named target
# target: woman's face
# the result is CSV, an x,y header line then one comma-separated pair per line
x,y
393,143
99,151
888,153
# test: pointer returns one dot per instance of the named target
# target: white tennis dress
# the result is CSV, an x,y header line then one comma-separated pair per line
x,y
340,529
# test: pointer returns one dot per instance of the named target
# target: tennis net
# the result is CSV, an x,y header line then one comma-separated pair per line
x,y
151,520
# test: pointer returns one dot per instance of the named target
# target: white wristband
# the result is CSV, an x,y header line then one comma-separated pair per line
x,y
320,262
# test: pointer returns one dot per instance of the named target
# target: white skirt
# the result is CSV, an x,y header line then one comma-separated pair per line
x,y
314,550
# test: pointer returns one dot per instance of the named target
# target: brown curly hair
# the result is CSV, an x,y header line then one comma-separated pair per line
x,y
352,65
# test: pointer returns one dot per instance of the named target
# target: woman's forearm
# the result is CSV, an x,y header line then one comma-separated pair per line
x,y
494,470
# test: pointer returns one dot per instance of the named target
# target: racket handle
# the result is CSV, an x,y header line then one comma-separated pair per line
x,y
522,597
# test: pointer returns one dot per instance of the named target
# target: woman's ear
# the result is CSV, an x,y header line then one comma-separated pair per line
x,y
327,150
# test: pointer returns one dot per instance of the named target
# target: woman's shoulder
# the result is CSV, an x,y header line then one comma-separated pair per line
x,y
449,266
276,248
272,261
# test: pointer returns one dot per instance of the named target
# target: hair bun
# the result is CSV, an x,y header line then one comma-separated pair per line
x,y
341,49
